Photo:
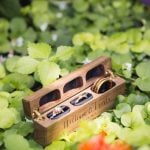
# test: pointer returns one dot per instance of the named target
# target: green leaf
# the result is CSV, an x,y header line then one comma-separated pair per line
x,y
7,11
56,145
147,108
4,98
7,118
64,72
138,136
143,84
17,81
143,70
15,141
119,60
2,71
4,47
98,43
95,54
34,145
4,25
122,48
137,99
26,65
80,5
45,37
144,147
138,116
48,72
11,63
142,46
3,103
16,115
121,109
24,128
30,35
17,26
126,119
116,39
39,50
16,100
81,38
64,52
36,76
134,35
146,35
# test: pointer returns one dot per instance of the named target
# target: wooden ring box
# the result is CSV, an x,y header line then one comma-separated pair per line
x,y
62,104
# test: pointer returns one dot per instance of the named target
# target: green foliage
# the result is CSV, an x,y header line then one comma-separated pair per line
x,y
4,99
48,72
12,117
142,70
17,26
26,65
63,53
38,45
80,5
143,84
15,141
11,63
9,8
121,109
57,145
17,81
23,128
40,50
2,71
136,99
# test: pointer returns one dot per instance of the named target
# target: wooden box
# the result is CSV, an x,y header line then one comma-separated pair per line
x,y
83,94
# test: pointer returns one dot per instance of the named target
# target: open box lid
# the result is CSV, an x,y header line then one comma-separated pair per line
x,y
66,87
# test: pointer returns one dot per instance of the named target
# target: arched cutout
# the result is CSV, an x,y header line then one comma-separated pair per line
x,y
95,72
73,84
51,96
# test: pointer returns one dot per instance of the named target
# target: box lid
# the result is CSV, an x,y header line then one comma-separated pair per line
x,y
66,87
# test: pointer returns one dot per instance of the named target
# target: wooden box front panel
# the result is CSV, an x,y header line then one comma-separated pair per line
x,y
47,130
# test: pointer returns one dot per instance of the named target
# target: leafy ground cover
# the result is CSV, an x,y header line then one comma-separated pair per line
x,y
68,35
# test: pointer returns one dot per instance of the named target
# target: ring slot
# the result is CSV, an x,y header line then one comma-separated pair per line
x,y
81,99
58,112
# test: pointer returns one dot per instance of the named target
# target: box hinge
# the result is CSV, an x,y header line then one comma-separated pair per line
x,y
37,115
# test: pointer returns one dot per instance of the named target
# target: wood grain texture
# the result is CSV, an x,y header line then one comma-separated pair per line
x,y
47,130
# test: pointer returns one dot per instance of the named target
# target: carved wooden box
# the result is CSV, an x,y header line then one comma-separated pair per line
x,y
83,94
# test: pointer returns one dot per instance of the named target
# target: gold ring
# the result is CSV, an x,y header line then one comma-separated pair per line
x,y
99,85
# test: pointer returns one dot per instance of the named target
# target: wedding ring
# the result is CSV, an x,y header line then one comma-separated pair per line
x,y
104,84
57,110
